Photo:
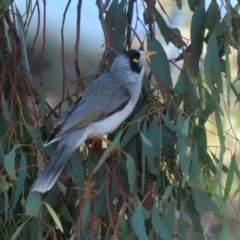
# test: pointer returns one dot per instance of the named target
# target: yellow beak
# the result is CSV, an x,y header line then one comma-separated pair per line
x,y
148,54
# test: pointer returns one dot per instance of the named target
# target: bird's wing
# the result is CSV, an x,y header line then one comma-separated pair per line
x,y
89,110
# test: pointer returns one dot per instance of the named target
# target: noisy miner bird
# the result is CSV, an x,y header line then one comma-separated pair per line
x,y
102,107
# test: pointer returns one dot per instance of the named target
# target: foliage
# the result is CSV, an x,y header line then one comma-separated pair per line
x,y
159,170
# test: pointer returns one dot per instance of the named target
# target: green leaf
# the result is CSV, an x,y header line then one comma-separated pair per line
x,y
193,4
5,109
213,16
145,140
116,142
33,204
167,192
213,65
195,169
197,36
87,211
153,153
54,216
143,157
18,231
160,64
168,122
138,223
22,174
229,180
158,225
77,171
205,201
133,127
179,4
185,127
208,108
124,227
194,215
22,36
235,166
4,4
131,169
163,27
181,147
42,98
6,198
67,216
116,23
182,227
9,162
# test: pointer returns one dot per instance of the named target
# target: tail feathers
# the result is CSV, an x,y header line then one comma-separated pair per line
x,y
52,171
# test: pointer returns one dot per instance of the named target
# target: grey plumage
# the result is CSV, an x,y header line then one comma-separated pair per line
x,y
103,106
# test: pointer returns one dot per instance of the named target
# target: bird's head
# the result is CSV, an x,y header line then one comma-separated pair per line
x,y
131,62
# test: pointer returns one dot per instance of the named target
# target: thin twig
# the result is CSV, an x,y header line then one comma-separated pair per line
x,y
101,9
76,63
43,42
37,31
63,55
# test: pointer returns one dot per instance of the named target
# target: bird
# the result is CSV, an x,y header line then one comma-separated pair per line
x,y
101,109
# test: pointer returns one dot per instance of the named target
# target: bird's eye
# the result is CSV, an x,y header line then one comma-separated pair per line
x,y
135,60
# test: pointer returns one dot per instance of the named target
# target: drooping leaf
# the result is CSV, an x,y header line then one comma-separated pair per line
x,y
197,36
77,171
182,227
193,4
85,217
158,225
160,64
22,36
54,216
18,231
6,199
194,215
33,204
167,192
9,162
153,153
229,180
134,126
124,227
213,16
138,223
179,3
22,174
143,157
131,168
204,201
107,151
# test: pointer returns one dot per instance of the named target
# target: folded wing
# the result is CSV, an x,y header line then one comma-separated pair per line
x,y
85,111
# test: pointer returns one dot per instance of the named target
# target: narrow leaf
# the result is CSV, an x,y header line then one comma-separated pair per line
x,y
33,204
116,141
160,64
145,140
54,216
22,174
229,181
138,224
9,162
23,41
131,169
18,231
158,225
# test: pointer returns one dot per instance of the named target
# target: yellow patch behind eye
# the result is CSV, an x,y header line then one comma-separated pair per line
x,y
135,60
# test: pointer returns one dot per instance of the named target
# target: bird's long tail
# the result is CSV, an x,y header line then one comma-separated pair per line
x,y
64,150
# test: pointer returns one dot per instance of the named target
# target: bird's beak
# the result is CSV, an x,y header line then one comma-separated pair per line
x,y
148,54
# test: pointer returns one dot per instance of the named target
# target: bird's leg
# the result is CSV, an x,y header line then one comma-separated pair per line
x,y
95,139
